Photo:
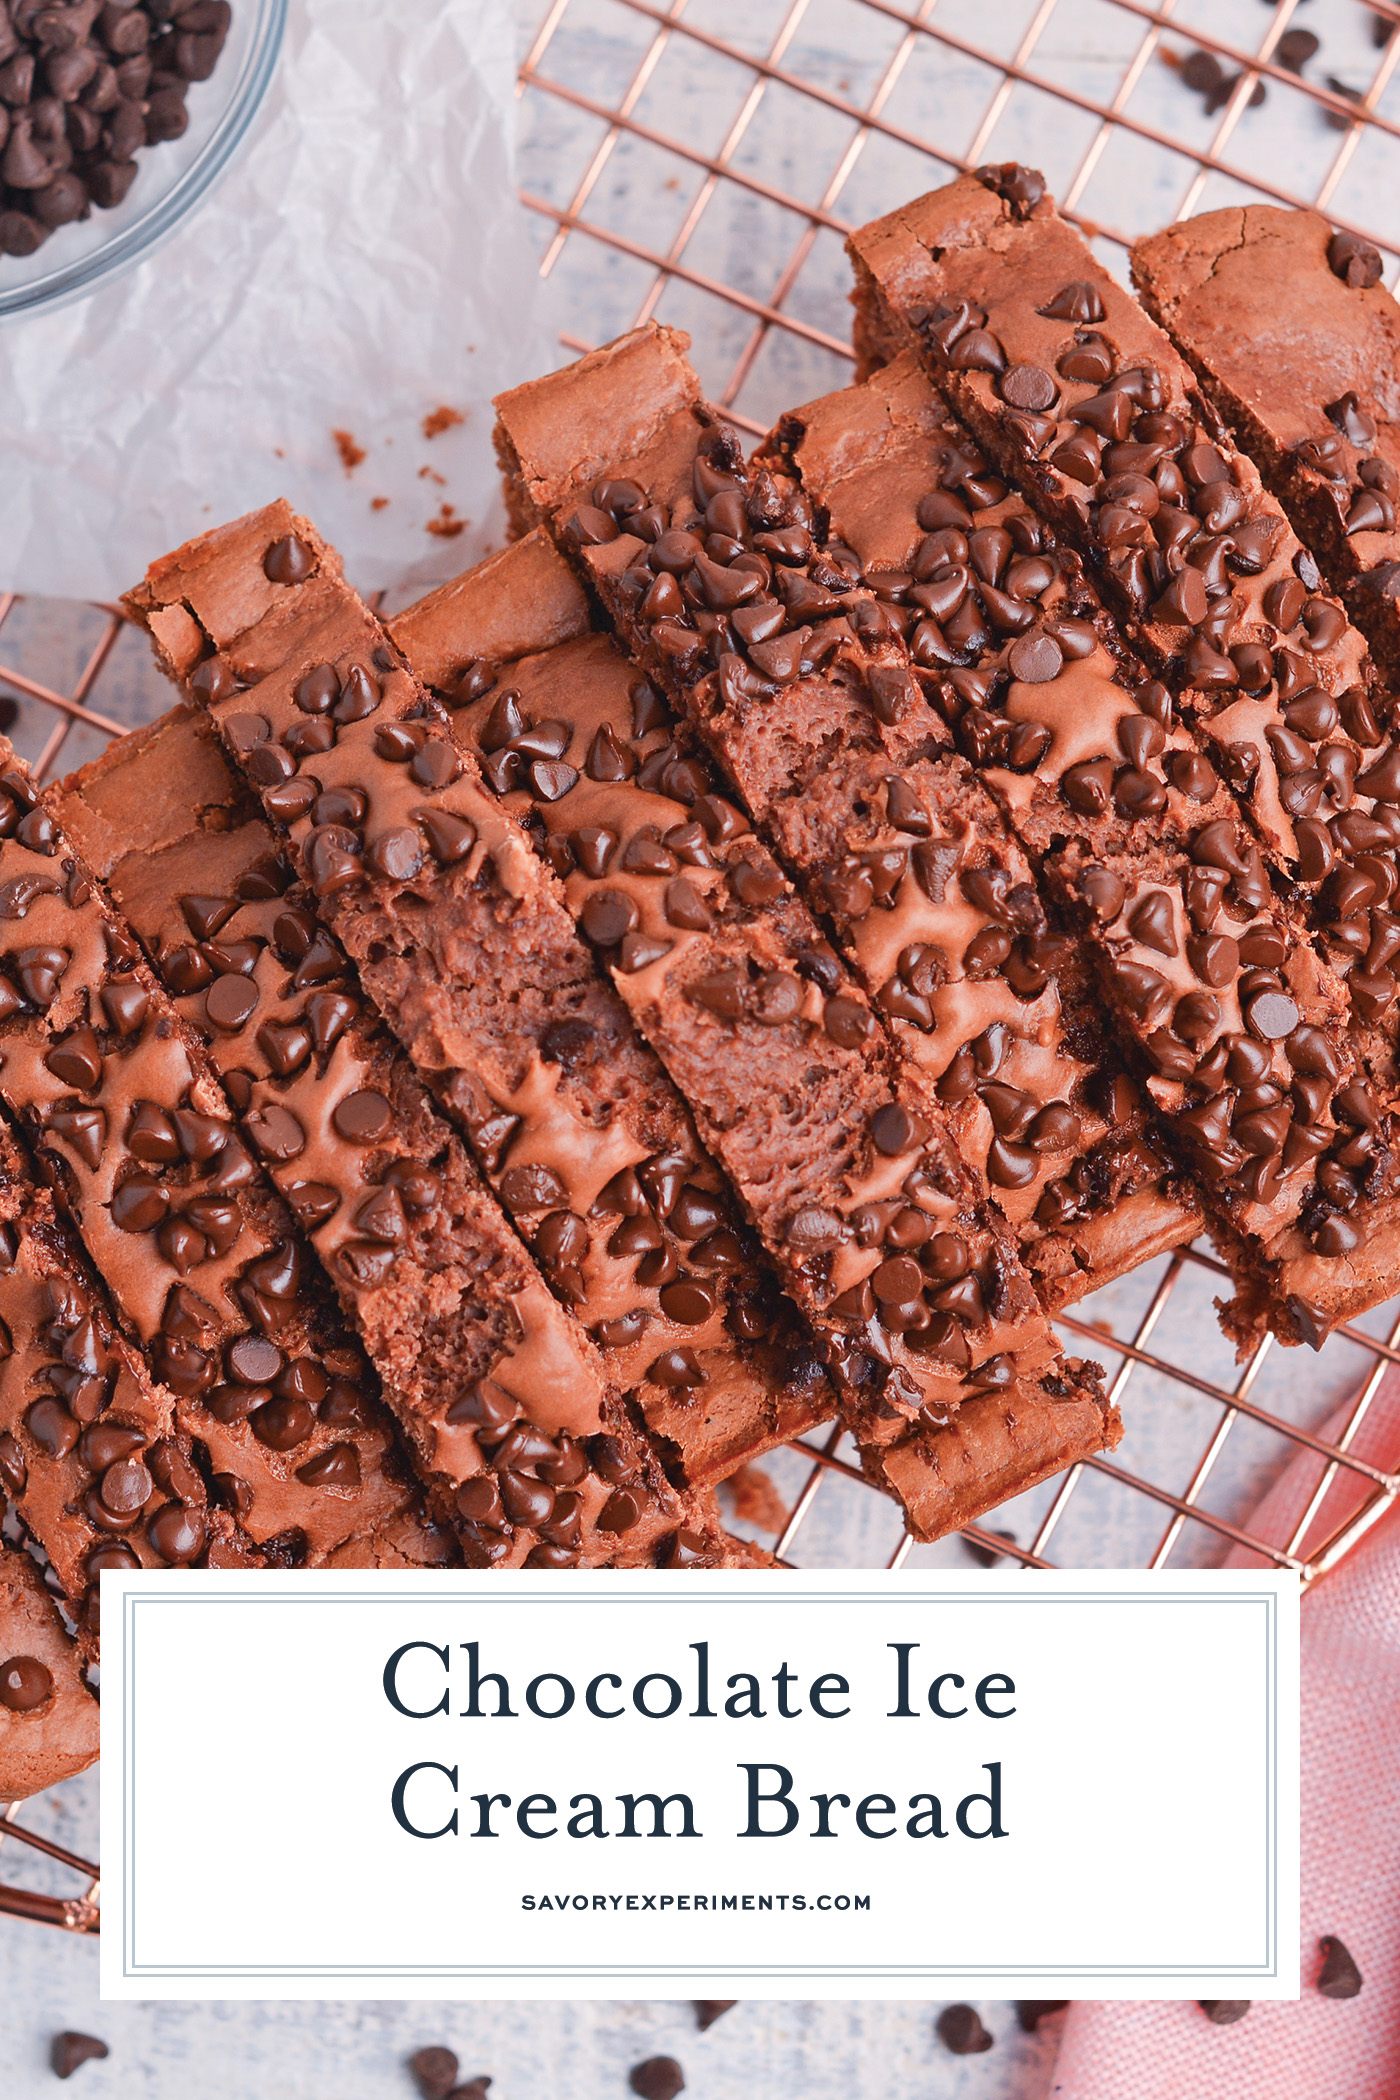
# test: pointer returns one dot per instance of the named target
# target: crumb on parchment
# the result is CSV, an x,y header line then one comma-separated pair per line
x,y
441,419
351,454
446,525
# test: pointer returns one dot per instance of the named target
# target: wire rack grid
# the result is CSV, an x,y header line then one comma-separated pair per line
x,y
702,162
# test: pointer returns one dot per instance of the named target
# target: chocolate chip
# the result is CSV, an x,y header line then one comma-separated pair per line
x,y
1334,1237
450,837
1035,659
276,1132
381,1216
177,1535
68,2050
846,1022
693,1212
626,1506
282,1424
894,1131
288,560
1028,387
708,2010
278,1273
201,1138
533,1188
103,1443
1272,1015
1355,261
1202,72
590,527
1223,2012
397,856
184,1368
25,1685
1295,47
254,1361
640,950
329,1015
1192,775
359,697
1339,1977
77,1061
607,916
126,1486
125,1006
139,1204
1020,187
723,992
977,351
14,1473
205,915
435,2070
313,1202
1079,302
960,2031
437,766
686,908
338,1466
229,1002
777,998
362,1117
687,1302
397,742
754,880
659,2078
315,693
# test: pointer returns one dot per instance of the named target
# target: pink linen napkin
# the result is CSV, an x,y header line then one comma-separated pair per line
x,y
1318,2048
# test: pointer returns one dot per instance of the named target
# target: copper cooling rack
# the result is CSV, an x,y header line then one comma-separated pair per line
x,y
702,162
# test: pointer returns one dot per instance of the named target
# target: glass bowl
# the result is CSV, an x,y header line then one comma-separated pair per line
x,y
173,176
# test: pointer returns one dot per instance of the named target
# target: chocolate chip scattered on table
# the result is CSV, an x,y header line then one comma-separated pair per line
x,y
961,2031
659,2078
434,2070
68,2051
1339,1977
1224,2012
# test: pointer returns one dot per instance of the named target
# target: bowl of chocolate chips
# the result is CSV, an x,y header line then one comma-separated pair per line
x,y
116,116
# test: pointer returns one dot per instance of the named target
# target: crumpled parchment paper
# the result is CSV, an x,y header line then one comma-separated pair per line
x,y
362,266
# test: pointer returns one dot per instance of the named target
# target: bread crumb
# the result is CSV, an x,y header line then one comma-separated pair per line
x,y
446,525
756,1500
430,474
379,502
441,419
351,454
